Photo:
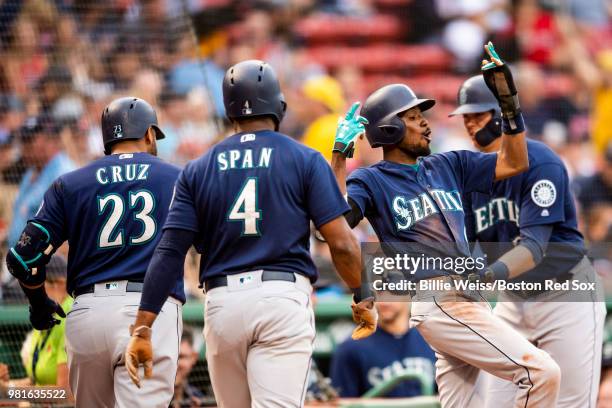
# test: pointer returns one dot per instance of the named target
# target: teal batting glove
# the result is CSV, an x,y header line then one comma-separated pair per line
x,y
348,130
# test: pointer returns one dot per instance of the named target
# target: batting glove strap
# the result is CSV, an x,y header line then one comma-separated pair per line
x,y
143,332
513,126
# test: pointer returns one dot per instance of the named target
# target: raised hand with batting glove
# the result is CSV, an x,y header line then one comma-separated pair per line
x,y
499,80
348,130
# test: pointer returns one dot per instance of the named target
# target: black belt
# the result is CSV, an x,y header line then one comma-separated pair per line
x,y
219,281
131,287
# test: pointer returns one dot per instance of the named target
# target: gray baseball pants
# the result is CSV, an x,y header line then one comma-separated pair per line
x,y
259,341
97,333
467,338
571,332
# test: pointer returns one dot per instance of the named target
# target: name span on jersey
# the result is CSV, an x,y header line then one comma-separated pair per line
x,y
244,159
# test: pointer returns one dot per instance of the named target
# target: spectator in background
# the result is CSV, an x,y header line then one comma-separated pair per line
x,y
541,110
189,72
42,153
392,350
56,82
324,95
596,189
185,394
43,352
24,62
188,128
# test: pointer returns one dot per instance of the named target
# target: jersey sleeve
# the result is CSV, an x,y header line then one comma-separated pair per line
x,y
357,190
475,170
542,195
323,197
182,214
51,213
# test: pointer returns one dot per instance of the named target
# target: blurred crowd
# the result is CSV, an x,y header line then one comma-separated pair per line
x,y
64,60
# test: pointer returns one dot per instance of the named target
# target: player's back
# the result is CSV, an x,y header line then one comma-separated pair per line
x,y
254,195
113,211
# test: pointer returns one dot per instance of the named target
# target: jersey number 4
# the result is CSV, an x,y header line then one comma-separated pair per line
x,y
245,208
110,235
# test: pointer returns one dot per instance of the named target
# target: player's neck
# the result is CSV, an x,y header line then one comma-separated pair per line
x,y
129,146
396,155
398,327
254,125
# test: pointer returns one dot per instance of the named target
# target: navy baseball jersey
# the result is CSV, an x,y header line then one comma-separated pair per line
x,y
111,212
423,202
540,196
358,365
250,200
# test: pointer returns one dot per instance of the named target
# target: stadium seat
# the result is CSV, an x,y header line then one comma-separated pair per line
x,y
331,28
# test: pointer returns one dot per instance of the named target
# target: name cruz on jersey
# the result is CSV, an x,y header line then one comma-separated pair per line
x,y
495,211
410,211
119,174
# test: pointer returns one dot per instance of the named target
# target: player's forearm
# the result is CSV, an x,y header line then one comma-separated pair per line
x,y
344,249
36,296
347,260
144,318
165,269
513,158
518,260
338,165
530,251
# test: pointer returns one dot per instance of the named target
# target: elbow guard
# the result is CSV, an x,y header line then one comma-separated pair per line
x,y
27,259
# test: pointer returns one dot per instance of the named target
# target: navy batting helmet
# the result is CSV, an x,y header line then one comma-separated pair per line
x,y
251,89
128,118
475,97
382,109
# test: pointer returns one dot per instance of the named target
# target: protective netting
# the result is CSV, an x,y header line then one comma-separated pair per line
x,y
64,60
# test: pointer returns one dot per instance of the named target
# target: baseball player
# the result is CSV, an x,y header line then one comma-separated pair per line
x,y
537,207
247,206
413,196
110,212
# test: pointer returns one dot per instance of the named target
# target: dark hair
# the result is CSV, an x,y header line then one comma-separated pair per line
x,y
187,336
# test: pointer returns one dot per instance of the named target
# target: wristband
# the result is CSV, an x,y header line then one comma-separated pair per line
x,y
37,297
513,126
500,270
359,294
